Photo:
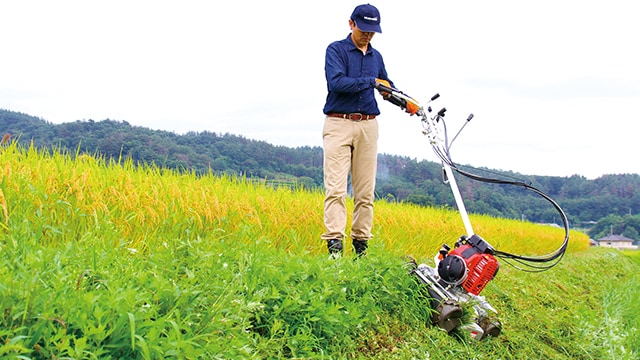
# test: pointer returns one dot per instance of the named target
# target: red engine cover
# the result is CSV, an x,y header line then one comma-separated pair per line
x,y
482,268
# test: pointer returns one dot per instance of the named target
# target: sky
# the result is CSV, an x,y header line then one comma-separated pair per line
x,y
554,86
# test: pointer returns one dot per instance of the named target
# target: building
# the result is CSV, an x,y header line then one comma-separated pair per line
x,y
618,242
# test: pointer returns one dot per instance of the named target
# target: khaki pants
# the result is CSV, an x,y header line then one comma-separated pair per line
x,y
349,146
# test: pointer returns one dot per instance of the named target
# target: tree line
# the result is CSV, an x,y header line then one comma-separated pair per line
x,y
611,199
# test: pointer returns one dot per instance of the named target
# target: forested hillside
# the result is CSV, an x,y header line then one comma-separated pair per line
x,y
611,202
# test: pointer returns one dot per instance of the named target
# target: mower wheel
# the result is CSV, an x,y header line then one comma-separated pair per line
x,y
448,315
492,327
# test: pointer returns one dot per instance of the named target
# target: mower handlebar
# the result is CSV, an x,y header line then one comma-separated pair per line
x,y
390,94
383,88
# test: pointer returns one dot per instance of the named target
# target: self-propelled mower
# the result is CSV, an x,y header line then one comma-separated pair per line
x,y
459,275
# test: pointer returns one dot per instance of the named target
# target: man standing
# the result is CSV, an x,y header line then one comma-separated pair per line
x,y
350,133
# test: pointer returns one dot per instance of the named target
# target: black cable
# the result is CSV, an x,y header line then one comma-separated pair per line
x,y
522,259
532,262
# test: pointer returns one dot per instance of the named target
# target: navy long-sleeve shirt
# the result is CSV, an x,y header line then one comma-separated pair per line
x,y
351,77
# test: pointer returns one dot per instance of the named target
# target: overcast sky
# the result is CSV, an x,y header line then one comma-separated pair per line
x,y
554,85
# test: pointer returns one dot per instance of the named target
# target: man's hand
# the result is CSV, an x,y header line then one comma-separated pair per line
x,y
412,107
382,82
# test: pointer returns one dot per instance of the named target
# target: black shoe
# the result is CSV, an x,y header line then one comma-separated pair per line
x,y
335,247
360,246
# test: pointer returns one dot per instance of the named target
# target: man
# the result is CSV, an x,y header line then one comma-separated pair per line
x,y
350,133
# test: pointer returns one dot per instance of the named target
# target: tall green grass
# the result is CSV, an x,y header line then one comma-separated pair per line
x,y
110,260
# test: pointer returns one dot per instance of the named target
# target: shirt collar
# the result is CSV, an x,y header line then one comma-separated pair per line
x,y
353,47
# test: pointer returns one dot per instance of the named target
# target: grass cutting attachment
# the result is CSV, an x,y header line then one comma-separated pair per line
x,y
460,274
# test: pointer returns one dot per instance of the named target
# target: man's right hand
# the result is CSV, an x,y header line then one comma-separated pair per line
x,y
383,83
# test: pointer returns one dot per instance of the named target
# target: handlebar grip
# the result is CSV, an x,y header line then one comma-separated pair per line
x,y
395,100
398,101
437,95
383,88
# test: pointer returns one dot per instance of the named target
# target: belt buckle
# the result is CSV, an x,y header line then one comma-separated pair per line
x,y
356,117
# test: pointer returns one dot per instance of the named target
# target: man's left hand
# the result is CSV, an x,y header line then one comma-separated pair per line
x,y
412,107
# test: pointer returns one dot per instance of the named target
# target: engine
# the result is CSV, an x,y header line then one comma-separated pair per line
x,y
470,264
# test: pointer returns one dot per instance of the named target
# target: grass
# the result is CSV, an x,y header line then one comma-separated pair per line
x,y
110,260
633,255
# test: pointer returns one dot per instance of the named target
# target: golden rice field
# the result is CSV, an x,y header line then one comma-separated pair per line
x,y
137,202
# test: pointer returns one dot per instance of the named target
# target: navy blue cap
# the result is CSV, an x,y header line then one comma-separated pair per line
x,y
367,18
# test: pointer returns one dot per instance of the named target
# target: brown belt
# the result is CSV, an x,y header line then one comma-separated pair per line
x,y
353,116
